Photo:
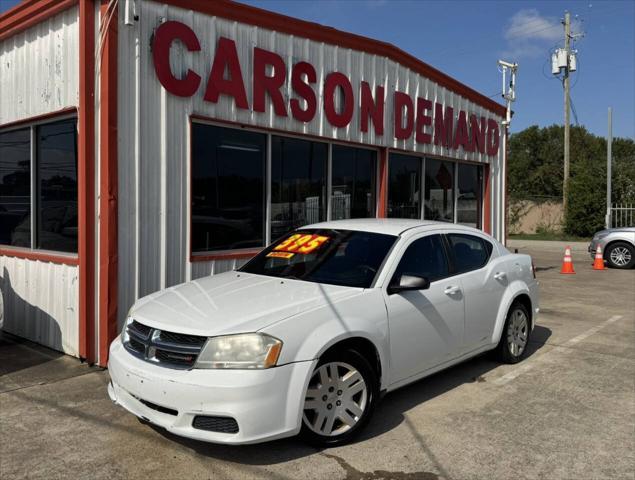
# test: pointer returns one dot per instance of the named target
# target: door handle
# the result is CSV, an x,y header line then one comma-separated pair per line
x,y
500,275
452,290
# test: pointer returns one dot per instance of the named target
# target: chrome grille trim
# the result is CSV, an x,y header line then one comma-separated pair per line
x,y
147,344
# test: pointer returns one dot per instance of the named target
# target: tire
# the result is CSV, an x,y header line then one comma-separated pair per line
x,y
512,346
620,255
325,426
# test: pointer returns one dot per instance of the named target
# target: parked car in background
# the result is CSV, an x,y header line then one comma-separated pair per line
x,y
308,334
618,246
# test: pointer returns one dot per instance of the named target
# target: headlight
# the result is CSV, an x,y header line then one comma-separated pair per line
x,y
250,350
124,331
600,235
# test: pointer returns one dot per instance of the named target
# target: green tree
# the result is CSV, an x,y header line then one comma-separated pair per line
x,y
535,172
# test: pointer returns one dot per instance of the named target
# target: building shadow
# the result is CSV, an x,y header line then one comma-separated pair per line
x,y
390,412
16,352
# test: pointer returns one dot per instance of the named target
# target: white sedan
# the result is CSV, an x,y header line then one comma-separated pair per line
x,y
308,335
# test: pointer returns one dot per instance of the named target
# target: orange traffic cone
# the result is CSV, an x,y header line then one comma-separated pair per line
x,y
598,264
567,263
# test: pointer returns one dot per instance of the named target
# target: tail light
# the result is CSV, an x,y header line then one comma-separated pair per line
x,y
533,268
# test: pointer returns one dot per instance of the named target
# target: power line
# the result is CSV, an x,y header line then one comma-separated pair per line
x,y
461,52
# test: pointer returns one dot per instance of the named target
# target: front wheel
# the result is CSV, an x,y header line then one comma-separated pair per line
x,y
515,337
339,400
620,255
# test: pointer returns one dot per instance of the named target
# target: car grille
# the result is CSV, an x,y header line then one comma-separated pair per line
x,y
169,349
215,424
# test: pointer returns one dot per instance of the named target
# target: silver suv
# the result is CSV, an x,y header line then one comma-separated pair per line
x,y
618,246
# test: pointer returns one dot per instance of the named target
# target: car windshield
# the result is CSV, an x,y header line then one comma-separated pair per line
x,y
337,257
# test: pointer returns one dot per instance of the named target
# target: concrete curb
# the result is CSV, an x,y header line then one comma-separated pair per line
x,y
545,245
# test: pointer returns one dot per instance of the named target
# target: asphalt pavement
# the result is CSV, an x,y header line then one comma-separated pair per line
x,y
566,412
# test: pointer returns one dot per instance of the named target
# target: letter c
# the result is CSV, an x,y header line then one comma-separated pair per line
x,y
163,38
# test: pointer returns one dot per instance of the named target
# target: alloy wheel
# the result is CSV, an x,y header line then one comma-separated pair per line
x,y
620,256
335,400
517,333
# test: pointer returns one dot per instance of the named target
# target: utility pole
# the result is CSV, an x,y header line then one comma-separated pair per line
x,y
609,159
566,83
564,59
509,94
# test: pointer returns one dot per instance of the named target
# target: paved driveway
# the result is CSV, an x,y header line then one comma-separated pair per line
x,y
567,411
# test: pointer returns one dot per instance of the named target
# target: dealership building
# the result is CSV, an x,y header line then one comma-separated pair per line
x,y
144,144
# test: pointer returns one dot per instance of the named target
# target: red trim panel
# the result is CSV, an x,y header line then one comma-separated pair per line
x,y
28,13
487,199
382,196
86,182
39,256
225,256
40,118
320,33
108,187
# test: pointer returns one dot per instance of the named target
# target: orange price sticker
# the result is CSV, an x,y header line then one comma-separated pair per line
x,y
304,244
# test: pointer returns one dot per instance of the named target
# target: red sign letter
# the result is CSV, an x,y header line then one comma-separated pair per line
x,y
372,109
443,126
402,101
334,80
477,133
303,89
226,57
271,85
493,137
164,35
423,121
462,136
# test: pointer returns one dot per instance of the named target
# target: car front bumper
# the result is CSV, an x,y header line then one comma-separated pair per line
x,y
594,245
266,404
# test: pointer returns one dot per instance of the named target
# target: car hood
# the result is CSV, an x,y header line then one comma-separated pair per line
x,y
615,230
233,302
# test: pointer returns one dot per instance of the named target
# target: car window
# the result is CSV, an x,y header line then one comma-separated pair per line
x,y
470,252
336,257
424,257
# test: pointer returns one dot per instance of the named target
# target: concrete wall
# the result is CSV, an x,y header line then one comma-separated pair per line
x,y
534,216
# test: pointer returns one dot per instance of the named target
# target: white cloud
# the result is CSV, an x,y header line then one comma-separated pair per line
x,y
529,24
528,34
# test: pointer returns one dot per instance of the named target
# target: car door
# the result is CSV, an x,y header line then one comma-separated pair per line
x,y
426,326
483,279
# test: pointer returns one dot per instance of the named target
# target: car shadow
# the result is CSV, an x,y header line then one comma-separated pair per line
x,y
390,412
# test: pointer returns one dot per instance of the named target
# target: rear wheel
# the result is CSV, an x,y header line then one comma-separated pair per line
x,y
339,400
620,255
515,337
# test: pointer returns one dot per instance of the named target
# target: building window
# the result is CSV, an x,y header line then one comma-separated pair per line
x,y
469,195
439,190
57,186
353,182
15,188
228,188
404,186
53,164
298,184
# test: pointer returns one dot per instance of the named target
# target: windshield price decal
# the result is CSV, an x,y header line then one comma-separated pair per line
x,y
286,255
299,243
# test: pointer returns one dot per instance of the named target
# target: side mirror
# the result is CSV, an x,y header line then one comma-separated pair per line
x,y
408,282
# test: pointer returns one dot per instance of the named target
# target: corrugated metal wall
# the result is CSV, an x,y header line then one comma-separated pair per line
x,y
38,75
40,302
154,136
39,68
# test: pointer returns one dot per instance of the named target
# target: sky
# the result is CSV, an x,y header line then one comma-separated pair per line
x,y
466,38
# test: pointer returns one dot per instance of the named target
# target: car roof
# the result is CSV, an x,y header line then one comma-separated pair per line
x,y
390,226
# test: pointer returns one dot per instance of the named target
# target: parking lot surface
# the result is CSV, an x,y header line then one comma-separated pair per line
x,y
566,412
